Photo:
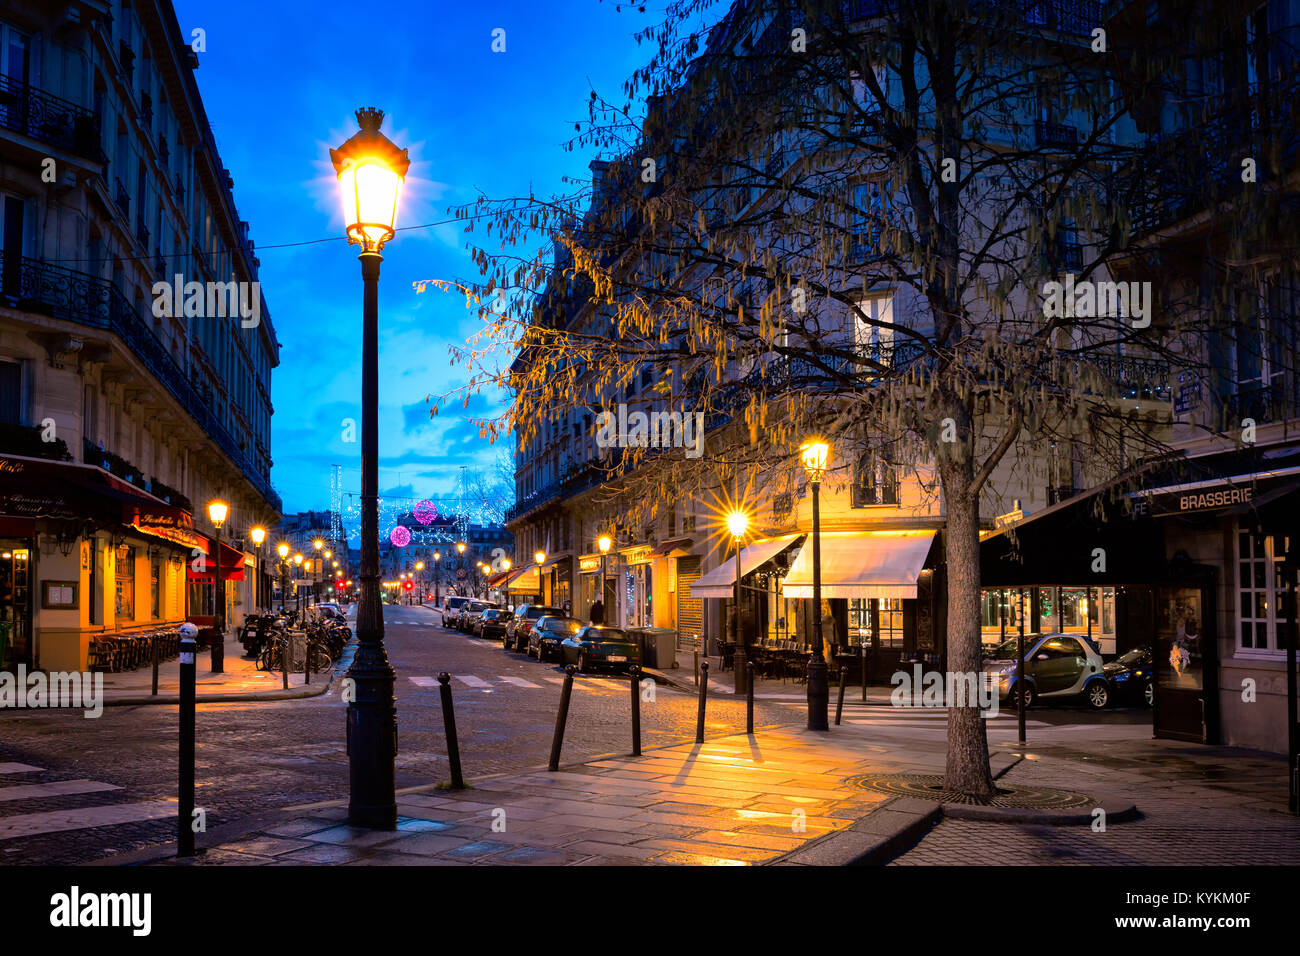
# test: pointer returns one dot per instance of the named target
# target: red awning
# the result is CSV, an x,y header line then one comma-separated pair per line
x,y
232,563
40,488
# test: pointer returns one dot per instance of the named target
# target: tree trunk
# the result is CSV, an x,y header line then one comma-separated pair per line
x,y
967,768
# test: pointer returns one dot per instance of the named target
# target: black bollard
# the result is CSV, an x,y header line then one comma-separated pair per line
x,y
449,725
284,660
839,704
704,690
153,643
306,659
561,718
634,673
749,699
185,797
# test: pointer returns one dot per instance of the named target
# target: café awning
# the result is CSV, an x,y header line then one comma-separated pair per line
x,y
721,581
526,581
861,564
232,563
40,488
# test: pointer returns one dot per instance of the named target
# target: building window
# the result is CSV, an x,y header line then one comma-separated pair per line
x,y
884,616
872,339
124,582
1261,594
11,393
155,589
875,482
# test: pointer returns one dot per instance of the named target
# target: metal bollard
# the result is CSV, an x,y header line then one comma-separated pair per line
x,y
749,700
634,673
839,704
704,690
561,718
306,659
449,725
185,796
153,641
284,659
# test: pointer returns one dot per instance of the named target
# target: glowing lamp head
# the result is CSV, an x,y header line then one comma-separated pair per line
x,y
318,544
217,511
604,543
419,565
282,550
460,547
328,554
505,564
540,557
737,523
815,454
258,534
370,170
297,558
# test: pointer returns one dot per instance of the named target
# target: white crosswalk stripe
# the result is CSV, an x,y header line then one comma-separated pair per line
x,y
15,825
60,788
471,681
518,681
18,768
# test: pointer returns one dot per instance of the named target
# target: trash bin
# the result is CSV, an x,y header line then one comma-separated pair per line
x,y
659,647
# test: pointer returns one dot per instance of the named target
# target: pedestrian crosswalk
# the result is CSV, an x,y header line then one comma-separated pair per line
x,y
591,684
912,718
58,819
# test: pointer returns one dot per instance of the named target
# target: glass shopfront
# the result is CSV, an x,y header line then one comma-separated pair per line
x,y
15,603
1058,609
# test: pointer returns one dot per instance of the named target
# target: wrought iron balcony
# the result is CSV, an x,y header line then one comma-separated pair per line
x,y
1275,402
37,286
50,119
1055,134
1134,378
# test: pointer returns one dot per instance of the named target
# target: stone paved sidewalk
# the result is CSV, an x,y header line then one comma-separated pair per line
x,y
240,680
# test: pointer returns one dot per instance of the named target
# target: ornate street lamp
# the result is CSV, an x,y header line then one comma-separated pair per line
x,y
737,525
282,549
297,595
419,566
603,544
258,534
815,454
437,578
217,511
371,170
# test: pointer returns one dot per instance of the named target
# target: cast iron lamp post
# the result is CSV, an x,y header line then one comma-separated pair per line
x,y
217,511
282,549
540,557
315,585
297,594
258,534
815,454
603,544
419,566
738,524
437,578
370,170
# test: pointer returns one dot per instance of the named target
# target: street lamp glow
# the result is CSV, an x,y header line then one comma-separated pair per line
x,y
460,546
318,544
370,169
815,454
258,534
297,558
419,565
328,554
437,555
505,564
217,511
282,550
540,557
737,523
604,543
336,564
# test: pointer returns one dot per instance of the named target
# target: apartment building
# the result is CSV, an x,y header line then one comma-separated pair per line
x,y
124,409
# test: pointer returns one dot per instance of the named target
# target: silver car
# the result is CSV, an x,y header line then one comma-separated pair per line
x,y
1056,665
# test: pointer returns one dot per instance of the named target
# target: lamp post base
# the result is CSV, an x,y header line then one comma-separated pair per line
x,y
819,694
372,740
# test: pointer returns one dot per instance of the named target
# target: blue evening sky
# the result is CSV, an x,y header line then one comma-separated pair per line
x,y
280,81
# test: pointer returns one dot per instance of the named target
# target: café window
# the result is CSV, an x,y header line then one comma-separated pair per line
x,y
881,615
155,589
1261,594
124,582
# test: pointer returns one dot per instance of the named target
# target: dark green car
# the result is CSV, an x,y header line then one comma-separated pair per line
x,y
595,646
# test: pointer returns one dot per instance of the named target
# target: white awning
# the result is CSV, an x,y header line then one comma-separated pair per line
x,y
861,564
525,581
721,581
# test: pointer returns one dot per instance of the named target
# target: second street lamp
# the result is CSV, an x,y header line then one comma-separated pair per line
x,y
738,524
282,549
258,534
217,511
814,455
371,170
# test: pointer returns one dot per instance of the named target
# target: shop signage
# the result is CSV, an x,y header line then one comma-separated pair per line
x,y
1192,500
637,555
180,536
589,564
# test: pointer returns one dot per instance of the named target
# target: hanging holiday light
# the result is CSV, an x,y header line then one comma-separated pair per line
x,y
400,536
425,512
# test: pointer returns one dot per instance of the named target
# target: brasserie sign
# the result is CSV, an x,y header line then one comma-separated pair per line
x,y
1193,500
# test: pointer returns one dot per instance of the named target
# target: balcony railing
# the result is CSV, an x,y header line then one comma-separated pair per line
x,y
1275,402
50,119
1055,134
94,302
1134,378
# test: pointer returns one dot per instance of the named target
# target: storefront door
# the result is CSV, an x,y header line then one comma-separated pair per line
x,y
15,604
1186,663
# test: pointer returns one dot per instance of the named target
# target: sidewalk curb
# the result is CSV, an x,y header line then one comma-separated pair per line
x,y
172,700
1116,810
872,840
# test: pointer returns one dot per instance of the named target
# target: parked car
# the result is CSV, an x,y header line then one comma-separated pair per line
x,y
547,632
492,623
469,615
451,608
1056,665
1132,677
598,646
525,616
330,609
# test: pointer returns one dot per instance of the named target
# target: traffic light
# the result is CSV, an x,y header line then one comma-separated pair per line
x,y
409,585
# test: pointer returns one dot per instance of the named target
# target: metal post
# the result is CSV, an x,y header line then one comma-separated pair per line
x,y
306,658
219,618
819,693
839,704
449,727
372,715
1292,725
153,642
739,655
634,672
284,657
704,690
1020,668
862,653
557,741
185,795
749,700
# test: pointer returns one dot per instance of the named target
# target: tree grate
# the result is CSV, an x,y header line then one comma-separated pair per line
x,y
1011,796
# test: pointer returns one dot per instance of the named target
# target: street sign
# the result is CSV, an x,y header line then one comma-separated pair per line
x,y
460,573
